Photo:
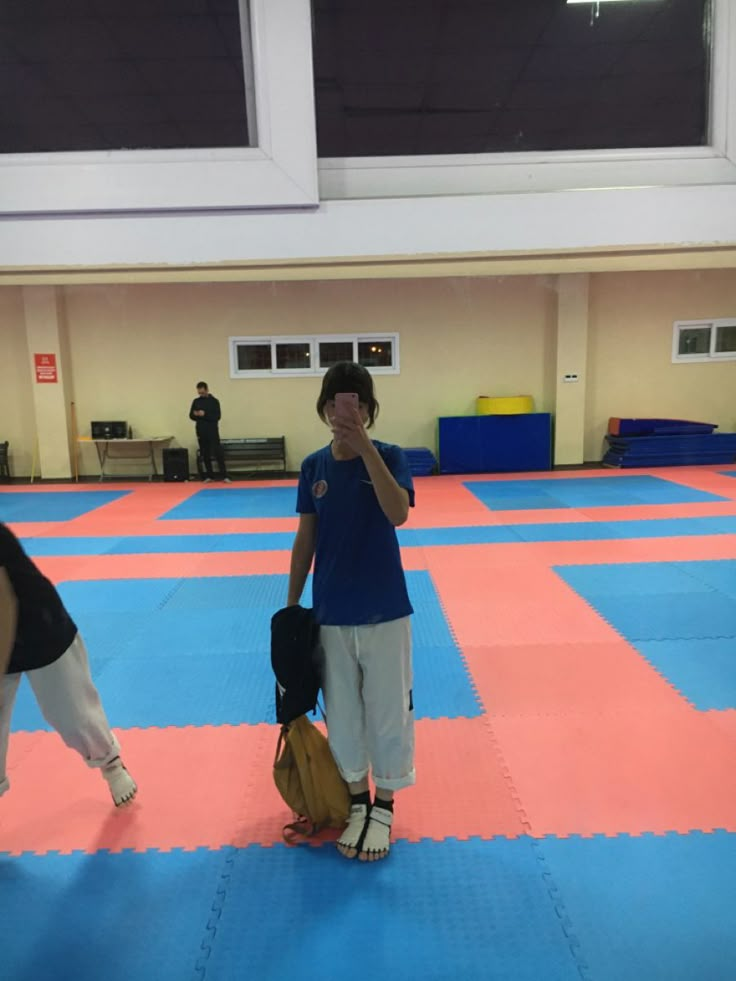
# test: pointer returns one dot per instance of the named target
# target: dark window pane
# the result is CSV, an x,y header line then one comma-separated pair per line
x,y
403,77
330,352
726,339
293,356
254,357
145,74
694,340
375,354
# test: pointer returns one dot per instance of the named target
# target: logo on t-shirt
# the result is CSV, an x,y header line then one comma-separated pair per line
x,y
319,489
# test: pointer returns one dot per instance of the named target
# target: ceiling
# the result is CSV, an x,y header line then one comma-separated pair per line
x,y
391,76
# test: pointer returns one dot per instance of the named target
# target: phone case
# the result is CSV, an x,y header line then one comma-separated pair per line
x,y
343,400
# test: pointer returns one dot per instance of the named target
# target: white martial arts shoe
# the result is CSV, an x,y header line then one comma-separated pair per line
x,y
122,786
349,841
377,840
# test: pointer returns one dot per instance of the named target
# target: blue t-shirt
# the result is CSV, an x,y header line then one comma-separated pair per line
x,y
358,576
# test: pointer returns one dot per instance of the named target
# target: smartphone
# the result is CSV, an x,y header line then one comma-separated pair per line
x,y
343,402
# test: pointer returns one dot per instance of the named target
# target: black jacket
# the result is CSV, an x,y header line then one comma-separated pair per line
x,y
206,424
45,630
294,636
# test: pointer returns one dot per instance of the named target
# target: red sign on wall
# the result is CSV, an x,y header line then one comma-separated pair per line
x,y
46,367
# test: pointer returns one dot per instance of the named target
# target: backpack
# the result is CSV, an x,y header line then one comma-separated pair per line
x,y
294,636
306,776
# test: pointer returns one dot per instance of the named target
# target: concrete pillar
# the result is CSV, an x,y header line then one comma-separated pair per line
x,y
572,351
50,381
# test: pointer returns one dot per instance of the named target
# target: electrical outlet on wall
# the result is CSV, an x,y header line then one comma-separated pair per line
x,y
570,377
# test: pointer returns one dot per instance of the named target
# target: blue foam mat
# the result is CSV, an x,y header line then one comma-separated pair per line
x,y
16,506
251,502
584,492
472,910
120,917
197,651
680,616
566,531
704,668
654,908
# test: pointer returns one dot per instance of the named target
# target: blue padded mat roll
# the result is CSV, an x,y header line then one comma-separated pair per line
x,y
119,916
251,502
16,506
471,910
659,908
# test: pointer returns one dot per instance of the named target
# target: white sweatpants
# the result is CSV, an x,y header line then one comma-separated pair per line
x,y
70,704
367,684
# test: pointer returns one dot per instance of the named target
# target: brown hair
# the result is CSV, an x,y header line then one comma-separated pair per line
x,y
347,376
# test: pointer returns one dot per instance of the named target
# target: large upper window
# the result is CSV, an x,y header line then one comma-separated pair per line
x,y
412,77
155,105
144,74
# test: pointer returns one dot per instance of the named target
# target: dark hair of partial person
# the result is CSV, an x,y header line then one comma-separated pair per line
x,y
347,376
203,385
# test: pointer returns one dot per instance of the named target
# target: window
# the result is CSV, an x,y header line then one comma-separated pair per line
x,y
704,340
652,106
243,140
416,79
273,357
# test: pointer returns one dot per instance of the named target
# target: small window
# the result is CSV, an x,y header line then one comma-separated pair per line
x,y
694,340
269,357
710,340
330,352
726,339
253,357
376,353
294,356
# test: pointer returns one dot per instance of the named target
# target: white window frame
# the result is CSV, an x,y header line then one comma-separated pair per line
x,y
342,178
281,171
712,355
314,342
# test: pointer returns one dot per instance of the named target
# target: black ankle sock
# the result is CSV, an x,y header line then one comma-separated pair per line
x,y
387,805
362,798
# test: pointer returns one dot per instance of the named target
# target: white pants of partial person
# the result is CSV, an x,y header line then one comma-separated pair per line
x,y
70,704
367,684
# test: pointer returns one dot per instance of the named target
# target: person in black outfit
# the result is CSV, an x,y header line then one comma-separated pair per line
x,y
205,412
39,638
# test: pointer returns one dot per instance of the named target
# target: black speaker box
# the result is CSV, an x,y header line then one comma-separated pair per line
x,y
176,464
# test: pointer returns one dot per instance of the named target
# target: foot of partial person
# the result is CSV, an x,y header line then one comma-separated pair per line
x,y
376,843
351,839
122,786
207,480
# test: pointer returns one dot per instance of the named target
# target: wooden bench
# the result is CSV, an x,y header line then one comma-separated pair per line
x,y
252,454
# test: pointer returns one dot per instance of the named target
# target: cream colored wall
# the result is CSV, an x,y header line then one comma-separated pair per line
x,y
630,370
18,416
137,352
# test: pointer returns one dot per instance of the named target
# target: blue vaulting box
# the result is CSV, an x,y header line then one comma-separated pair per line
x,y
495,443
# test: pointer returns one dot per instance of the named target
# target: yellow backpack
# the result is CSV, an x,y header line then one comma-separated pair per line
x,y
307,778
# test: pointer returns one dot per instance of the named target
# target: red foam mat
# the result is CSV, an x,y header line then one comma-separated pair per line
x,y
666,770
212,786
554,679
